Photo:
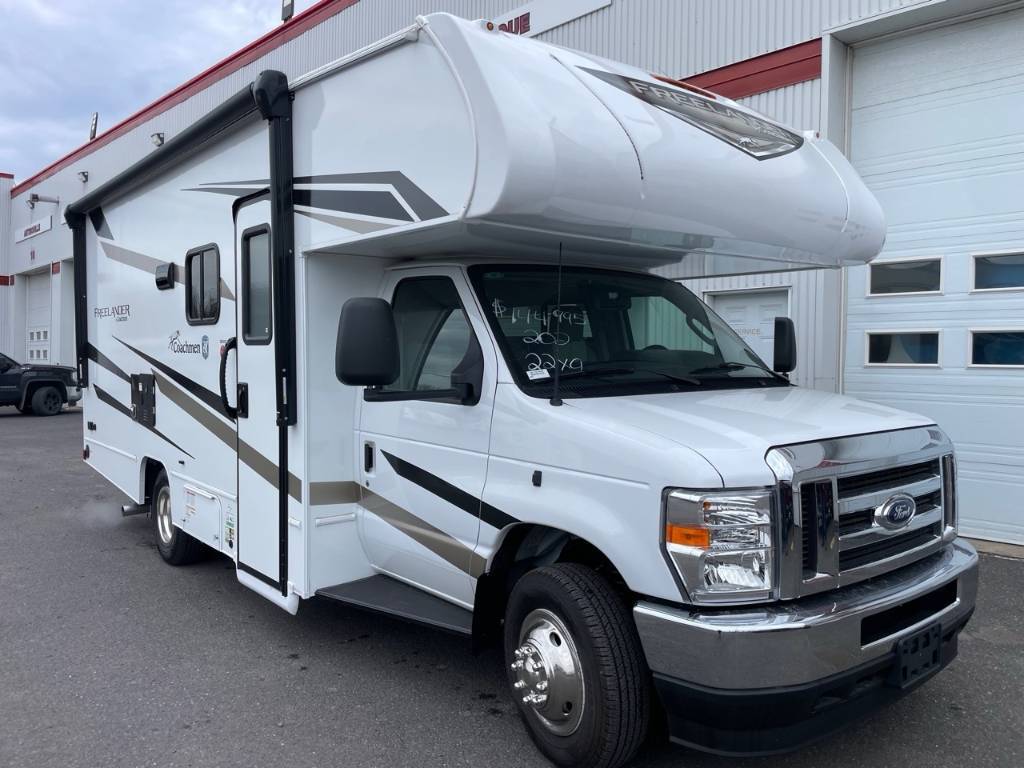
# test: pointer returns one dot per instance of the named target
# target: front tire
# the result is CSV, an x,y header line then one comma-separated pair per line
x,y
576,667
47,401
174,545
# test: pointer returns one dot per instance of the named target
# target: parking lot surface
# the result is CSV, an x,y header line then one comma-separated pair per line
x,y
109,657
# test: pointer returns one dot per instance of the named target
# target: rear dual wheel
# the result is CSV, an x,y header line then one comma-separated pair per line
x,y
174,545
576,667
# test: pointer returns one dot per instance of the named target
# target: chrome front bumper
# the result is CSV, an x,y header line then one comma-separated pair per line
x,y
74,395
804,641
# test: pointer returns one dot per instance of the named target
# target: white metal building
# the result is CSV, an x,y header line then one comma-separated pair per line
x,y
925,96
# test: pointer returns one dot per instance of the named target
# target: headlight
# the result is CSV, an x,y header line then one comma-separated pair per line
x,y
721,543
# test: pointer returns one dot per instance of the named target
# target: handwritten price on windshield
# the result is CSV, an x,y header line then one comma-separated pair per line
x,y
537,362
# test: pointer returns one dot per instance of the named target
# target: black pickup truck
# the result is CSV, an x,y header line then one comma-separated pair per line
x,y
39,389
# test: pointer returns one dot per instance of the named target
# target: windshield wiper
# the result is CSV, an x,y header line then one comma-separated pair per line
x,y
612,371
732,366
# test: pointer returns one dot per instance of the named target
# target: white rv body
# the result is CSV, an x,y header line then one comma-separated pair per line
x,y
445,146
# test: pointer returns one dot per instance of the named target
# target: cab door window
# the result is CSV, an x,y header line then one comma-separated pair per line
x,y
434,335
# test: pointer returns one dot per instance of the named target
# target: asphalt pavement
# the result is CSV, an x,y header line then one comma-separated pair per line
x,y
109,658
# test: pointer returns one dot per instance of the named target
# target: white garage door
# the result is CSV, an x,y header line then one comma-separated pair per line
x,y
37,318
937,131
752,315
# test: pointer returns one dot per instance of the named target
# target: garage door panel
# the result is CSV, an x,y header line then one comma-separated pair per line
x,y
937,132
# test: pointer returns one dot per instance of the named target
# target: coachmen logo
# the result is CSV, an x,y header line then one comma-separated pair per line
x,y
179,346
896,512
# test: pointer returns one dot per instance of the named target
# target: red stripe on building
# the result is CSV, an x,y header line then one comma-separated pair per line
x,y
6,279
787,66
300,23
6,175
55,268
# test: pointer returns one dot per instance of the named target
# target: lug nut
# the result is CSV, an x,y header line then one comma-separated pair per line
x,y
542,685
519,685
515,666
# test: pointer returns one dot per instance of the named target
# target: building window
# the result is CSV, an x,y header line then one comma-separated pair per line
x,y
202,285
901,277
998,348
1000,272
903,348
257,297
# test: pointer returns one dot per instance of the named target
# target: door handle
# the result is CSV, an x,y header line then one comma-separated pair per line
x,y
231,411
242,409
368,456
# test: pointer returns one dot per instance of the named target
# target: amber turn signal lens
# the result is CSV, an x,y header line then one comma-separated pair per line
x,y
687,536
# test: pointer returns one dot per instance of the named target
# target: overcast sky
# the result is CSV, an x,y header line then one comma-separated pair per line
x,y
62,60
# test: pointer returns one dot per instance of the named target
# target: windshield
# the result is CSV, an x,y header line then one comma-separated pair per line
x,y
611,333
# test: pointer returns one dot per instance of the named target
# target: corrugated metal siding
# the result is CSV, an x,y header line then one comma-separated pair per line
x,y
687,37
797,105
812,297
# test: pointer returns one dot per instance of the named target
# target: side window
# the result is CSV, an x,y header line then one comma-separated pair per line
x,y
257,312
433,333
202,285
5,363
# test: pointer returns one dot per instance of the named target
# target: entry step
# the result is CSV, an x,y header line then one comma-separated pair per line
x,y
387,595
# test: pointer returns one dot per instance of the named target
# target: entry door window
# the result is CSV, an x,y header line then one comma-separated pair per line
x,y
257,295
433,333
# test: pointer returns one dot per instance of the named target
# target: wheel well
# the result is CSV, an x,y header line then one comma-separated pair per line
x,y
151,468
34,386
523,548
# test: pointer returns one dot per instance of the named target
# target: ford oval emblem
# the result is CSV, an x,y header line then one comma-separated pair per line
x,y
896,511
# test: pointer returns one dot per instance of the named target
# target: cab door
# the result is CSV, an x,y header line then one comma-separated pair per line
x,y
259,531
425,461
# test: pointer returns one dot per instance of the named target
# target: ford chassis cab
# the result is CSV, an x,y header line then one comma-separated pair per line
x,y
412,349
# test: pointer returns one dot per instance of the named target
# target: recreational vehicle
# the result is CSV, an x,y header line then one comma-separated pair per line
x,y
397,338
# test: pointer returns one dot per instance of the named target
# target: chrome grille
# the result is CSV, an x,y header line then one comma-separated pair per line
x,y
832,537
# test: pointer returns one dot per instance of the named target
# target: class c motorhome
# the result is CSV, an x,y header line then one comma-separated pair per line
x,y
395,340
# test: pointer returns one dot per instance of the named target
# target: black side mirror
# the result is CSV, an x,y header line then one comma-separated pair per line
x,y
367,350
785,345
164,276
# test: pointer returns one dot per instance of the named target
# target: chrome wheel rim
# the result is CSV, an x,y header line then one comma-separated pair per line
x,y
164,526
548,674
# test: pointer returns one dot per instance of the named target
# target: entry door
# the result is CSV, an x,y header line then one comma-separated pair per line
x,y
258,516
424,461
752,315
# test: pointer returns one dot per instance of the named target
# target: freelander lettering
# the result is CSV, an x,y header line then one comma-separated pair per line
x,y
119,312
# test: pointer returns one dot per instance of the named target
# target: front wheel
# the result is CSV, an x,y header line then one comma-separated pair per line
x,y
47,401
576,667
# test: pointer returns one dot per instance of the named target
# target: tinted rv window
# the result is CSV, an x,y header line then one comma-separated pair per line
x,y
202,285
256,292
433,333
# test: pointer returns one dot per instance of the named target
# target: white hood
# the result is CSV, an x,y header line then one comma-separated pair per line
x,y
733,428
